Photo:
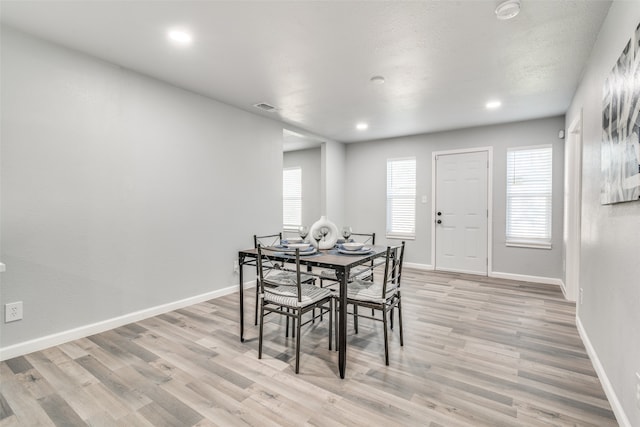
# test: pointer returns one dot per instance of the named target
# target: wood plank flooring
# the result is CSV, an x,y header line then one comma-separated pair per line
x,y
478,352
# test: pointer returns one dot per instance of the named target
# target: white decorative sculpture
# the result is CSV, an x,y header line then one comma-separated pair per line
x,y
329,239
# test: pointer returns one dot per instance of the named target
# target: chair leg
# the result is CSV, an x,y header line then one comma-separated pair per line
x,y
261,330
257,288
286,328
386,340
391,319
355,317
400,319
298,342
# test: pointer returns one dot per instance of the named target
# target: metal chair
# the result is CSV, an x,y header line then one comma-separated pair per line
x,y
383,296
272,240
288,295
361,271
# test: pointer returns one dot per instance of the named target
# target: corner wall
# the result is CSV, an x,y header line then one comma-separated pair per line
x,y
609,317
365,183
121,193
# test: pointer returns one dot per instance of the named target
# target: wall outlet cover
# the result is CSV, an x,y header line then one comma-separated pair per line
x,y
12,311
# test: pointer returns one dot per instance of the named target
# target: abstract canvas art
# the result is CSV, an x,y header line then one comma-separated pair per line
x,y
621,127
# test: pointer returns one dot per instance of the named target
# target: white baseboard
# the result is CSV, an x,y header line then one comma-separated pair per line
x,y
527,278
416,266
105,325
618,411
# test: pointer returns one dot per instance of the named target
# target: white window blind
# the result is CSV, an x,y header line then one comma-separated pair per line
x,y
401,198
291,198
529,196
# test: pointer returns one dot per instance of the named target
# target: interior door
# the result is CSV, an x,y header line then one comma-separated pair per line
x,y
461,206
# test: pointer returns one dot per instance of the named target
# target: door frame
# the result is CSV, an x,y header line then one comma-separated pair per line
x,y
434,155
573,210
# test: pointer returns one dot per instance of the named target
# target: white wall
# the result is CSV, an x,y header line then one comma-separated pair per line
x,y
366,189
610,250
310,162
333,169
120,192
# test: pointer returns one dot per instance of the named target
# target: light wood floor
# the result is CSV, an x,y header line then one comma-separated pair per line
x,y
478,352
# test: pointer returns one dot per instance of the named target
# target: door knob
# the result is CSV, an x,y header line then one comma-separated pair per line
x,y
439,213
439,221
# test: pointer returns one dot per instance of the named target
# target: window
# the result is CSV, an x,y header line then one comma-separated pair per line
x,y
291,198
529,196
401,198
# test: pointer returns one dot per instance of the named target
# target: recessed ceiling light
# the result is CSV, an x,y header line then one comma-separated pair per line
x,y
508,9
362,126
180,36
492,105
377,80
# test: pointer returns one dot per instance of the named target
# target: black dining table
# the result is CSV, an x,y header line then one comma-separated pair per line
x,y
325,259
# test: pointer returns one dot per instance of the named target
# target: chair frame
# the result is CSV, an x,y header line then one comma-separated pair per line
x,y
392,275
257,240
294,312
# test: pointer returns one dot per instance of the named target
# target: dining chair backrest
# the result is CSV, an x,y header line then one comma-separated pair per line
x,y
269,265
393,268
366,238
267,240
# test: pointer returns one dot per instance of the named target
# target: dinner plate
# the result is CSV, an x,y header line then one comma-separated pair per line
x,y
364,251
308,251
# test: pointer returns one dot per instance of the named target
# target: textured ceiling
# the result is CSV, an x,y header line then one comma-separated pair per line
x,y
442,60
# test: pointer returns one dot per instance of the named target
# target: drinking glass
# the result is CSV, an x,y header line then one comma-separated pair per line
x,y
346,232
324,230
317,236
303,230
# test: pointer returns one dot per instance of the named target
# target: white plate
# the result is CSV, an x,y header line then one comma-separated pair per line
x,y
352,246
364,251
301,246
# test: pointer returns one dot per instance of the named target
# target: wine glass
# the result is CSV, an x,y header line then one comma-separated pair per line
x,y
317,236
346,232
324,230
303,230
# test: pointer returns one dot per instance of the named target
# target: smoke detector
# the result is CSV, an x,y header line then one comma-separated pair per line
x,y
508,9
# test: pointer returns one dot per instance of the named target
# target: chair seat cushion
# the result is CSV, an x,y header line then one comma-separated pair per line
x,y
285,278
288,295
364,290
354,272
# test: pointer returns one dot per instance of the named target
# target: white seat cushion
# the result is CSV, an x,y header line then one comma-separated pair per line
x,y
285,278
288,295
354,272
363,290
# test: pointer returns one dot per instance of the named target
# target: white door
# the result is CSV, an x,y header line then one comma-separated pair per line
x,y
461,215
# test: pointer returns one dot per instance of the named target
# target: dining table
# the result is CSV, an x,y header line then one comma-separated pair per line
x,y
339,261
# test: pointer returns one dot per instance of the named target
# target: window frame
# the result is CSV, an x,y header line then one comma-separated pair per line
x,y
515,240
285,226
392,233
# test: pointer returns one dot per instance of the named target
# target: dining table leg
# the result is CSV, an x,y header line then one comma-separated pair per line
x,y
241,284
342,323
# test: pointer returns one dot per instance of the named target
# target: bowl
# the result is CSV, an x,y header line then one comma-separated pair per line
x,y
301,246
352,246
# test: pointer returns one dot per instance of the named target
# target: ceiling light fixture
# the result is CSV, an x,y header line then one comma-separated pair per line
x,y
492,105
508,9
180,36
377,80
362,126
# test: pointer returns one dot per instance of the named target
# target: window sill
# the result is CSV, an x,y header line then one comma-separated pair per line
x,y
529,245
400,237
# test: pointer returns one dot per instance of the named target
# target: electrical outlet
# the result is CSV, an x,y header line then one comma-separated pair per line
x,y
638,390
12,311
236,268
581,295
